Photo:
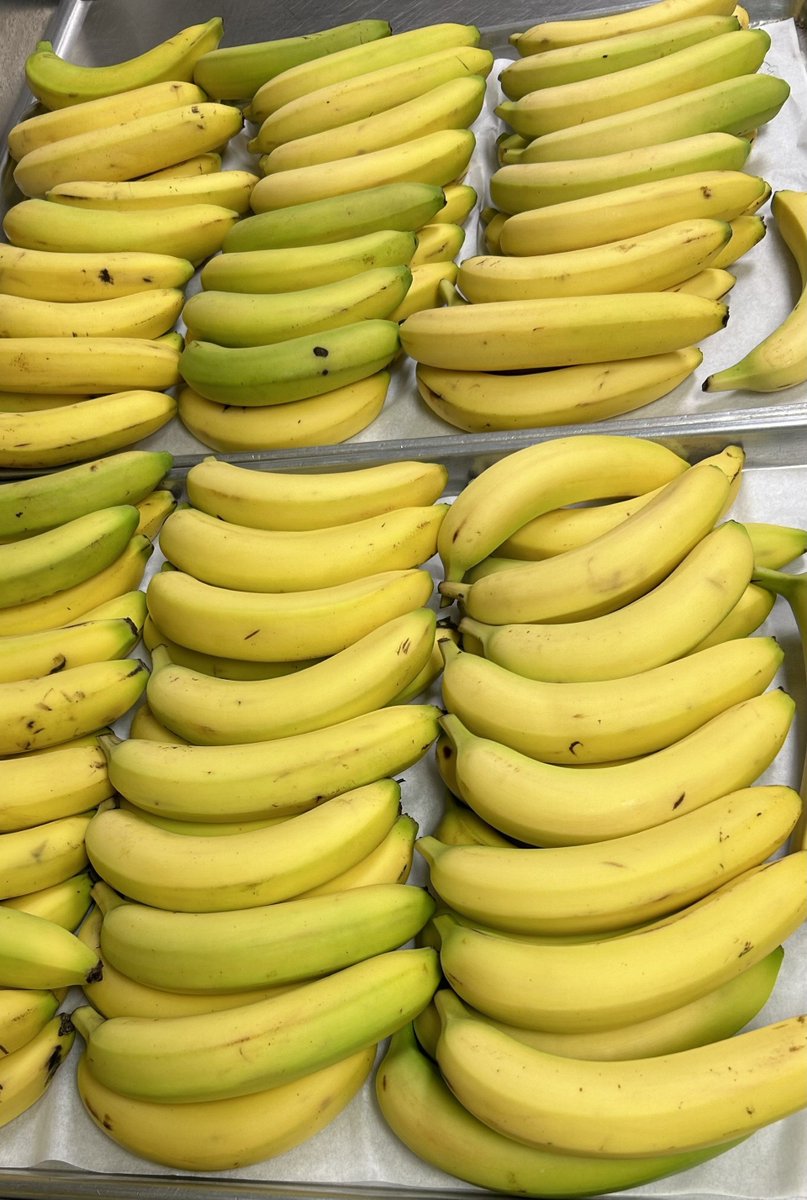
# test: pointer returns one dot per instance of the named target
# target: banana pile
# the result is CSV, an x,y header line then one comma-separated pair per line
x,y
622,197
357,221
604,826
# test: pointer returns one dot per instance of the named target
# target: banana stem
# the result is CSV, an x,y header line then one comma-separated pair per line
x,y
85,1019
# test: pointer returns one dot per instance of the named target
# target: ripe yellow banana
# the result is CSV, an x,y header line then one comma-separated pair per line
x,y
131,148
606,720
36,953
545,804
23,1013
146,726
548,35
192,873
567,105
301,500
614,52
437,159
56,276
216,664
366,675
650,261
146,314
460,826
221,1135
236,72
26,1074
438,242
315,421
739,106
276,778
423,1113
294,268
188,231
79,365
576,889
401,207
691,1100
453,104
229,189
50,651
200,164
31,859
271,560
638,973
54,783
780,359
746,231
390,862
526,184
560,331
250,319
153,510
460,199
711,283
364,96
619,566
406,47
480,401
426,288
593,220
545,476
287,626
66,903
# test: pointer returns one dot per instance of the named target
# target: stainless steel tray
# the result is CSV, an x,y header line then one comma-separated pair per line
x,y
98,31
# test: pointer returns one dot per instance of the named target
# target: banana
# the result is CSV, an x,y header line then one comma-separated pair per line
x,y
276,778
37,953
423,1113
76,365
739,106
780,359
39,787
61,276
146,726
560,331
435,158
406,47
542,477
650,261
421,685
514,889
604,56
425,289
620,565
58,83
691,1100
48,562
546,804
262,1045
265,499
298,268
400,207
200,164
315,421
45,128
606,720
592,220
145,315
42,502
71,433
746,231
638,973
48,652
229,189
287,942
236,72
368,95
294,626
390,862
665,623
711,283
297,368
153,510
480,401
186,231
460,826
26,1074
525,184
366,675
272,560
250,319
23,1014
454,104
438,242
460,199
216,664
66,903
196,828
547,35
222,1135
568,105
750,611
187,873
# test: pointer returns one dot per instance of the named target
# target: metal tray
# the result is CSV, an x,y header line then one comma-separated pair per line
x,y
98,31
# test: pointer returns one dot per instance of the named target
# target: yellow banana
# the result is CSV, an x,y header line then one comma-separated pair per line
x,y
23,1013
550,34
58,782
37,953
425,290
50,651
460,826
145,725
366,675
87,364
61,276
153,510
26,1074
200,164
32,859
146,314
711,283
746,231
389,862
229,189
66,903
216,664
460,199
